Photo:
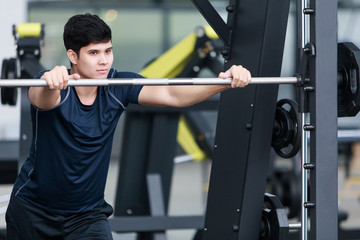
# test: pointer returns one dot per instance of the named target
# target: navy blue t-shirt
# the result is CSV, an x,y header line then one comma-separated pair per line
x,y
69,156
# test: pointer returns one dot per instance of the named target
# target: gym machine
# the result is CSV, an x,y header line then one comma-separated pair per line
x,y
28,39
235,215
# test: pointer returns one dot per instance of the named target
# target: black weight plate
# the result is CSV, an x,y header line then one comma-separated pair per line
x,y
283,129
348,80
8,71
293,144
274,222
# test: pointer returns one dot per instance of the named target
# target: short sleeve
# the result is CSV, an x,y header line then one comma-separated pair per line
x,y
126,94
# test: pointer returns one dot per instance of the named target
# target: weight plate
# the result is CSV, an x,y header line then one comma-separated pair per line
x,y
8,71
348,80
286,140
274,222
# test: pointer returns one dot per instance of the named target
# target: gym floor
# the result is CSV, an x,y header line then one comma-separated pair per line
x,y
188,196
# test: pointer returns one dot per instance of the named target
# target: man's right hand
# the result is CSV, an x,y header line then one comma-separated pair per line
x,y
48,97
58,77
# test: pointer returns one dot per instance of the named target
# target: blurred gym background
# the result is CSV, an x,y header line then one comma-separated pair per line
x,y
143,30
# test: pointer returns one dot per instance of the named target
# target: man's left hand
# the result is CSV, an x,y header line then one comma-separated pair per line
x,y
240,76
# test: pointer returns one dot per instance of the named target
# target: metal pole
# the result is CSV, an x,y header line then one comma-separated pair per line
x,y
305,23
303,41
305,36
145,81
294,226
304,179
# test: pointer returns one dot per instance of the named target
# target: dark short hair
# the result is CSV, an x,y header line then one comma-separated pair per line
x,y
83,29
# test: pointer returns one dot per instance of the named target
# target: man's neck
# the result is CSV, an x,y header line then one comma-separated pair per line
x,y
87,95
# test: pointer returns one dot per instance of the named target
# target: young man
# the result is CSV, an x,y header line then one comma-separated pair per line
x,y
59,193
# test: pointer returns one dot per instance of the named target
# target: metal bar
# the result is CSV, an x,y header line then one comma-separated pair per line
x,y
156,198
303,41
156,201
146,81
155,223
294,225
214,19
352,135
305,36
304,178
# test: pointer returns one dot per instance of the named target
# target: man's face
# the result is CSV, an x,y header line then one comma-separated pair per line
x,y
95,60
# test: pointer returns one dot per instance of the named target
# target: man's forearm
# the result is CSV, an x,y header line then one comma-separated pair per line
x,y
190,95
44,98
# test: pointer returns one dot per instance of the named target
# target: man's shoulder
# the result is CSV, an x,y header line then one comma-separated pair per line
x,y
113,73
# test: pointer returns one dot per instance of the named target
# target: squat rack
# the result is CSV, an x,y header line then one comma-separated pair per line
x,y
238,174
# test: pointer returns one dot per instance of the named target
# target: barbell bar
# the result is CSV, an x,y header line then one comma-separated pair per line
x,y
146,81
294,225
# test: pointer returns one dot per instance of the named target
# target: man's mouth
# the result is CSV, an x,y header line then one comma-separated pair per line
x,y
102,71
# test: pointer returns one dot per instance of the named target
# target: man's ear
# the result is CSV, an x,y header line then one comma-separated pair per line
x,y
73,57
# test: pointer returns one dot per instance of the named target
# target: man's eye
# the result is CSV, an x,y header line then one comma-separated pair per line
x,y
92,53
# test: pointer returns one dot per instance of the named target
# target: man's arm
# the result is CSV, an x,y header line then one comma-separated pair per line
x,y
49,97
183,96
